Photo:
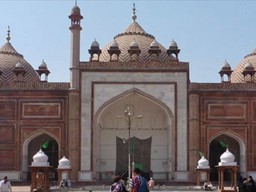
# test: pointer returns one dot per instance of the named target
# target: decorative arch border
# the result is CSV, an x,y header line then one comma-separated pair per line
x,y
128,93
172,128
26,143
241,146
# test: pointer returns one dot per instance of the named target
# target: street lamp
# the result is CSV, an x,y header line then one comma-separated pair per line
x,y
129,117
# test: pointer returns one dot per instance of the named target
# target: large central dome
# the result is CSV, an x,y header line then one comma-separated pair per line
x,y
135,35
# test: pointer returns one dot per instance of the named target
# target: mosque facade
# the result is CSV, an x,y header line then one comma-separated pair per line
x,y
132,103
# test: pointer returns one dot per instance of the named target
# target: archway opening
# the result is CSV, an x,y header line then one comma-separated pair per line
x,y
50,147
140,151
217,148
151,136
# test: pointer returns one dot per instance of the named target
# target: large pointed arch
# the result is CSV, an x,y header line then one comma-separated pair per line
x,y
129,92
26,143
169,163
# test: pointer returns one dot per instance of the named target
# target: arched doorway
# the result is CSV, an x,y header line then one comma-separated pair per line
x,y
217,148
153,134
140,150
50,147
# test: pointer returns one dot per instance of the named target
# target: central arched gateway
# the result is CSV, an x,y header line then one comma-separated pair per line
x,y
160,96
151,137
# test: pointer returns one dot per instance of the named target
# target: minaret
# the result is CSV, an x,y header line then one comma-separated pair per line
x,y
73,129
75,29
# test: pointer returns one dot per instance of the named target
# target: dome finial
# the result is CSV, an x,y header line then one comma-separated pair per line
x,y
8,34
134,17
75,2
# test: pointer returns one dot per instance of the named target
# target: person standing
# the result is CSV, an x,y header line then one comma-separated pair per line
x,y
250,184
151,184
63,185
138,183
118,185
5,185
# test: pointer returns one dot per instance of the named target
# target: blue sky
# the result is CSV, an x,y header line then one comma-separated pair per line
x,y
207,32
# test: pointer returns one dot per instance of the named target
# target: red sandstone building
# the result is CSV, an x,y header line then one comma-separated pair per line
x,y
81,120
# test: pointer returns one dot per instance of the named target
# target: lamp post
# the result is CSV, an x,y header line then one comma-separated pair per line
x,y
129,117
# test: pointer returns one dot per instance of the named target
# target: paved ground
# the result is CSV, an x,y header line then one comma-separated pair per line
x,y
103,188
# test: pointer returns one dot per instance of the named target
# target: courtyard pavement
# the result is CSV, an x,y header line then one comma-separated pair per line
x,y
105,188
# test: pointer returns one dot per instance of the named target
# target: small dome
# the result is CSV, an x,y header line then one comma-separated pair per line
x,y
114,44
43,65
18,65
226,65
154,44
248,65
40,159
173,44
134,44
64,163
95,44
203,163
75,10
227,158
40,156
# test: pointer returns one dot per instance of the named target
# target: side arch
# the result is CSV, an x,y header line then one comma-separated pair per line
x,y
241,144
33,135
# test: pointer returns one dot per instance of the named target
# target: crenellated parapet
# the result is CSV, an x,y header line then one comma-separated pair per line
x,y
136,65
34,86
200,87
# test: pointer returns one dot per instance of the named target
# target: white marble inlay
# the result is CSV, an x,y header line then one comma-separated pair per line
x,y
162,91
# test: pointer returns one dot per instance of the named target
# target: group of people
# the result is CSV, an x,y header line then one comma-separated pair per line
x,y
138,183
247,184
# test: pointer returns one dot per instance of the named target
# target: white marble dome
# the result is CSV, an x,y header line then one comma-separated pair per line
x,y
203,163
40,159
227,158
64,163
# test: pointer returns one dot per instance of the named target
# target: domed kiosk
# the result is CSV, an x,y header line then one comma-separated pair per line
x,y
227,164
202,170
64,169
40,170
